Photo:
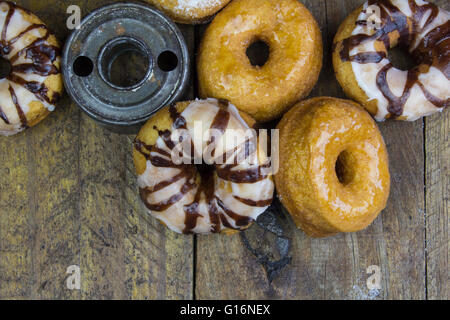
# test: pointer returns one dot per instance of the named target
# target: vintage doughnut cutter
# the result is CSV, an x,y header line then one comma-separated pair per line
x,y
105,36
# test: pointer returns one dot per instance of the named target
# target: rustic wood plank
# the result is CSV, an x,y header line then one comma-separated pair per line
x,y
159,262
16,225
125,253
42,163
437,204
395,240
56,195
102,156
437,166
49,226
69,197
256,264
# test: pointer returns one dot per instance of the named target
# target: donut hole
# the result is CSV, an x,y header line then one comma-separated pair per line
x,y
167,61
258,53
5,68
401,59
124,63
204,169
344,168
83,66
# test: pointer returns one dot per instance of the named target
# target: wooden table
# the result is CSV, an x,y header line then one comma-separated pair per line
x,y
68,196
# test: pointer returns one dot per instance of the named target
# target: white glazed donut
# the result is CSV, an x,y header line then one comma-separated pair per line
x,y
219,197
34,84
367,75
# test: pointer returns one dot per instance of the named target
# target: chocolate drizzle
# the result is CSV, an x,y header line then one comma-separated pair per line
x,y
42,56
253,203
3,116
433,49
23,118
201,178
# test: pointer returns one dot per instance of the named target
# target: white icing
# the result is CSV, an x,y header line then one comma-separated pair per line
x,y
18,24
403,6
204,112
439,20
433,80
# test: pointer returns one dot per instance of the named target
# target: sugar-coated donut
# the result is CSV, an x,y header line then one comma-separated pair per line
x,y
202,196
190,11
366,74
333,174
293,66
31,55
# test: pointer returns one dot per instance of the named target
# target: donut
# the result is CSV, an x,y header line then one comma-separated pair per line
x,y
222,193
293,66
30,81
365,72
333,167
190,11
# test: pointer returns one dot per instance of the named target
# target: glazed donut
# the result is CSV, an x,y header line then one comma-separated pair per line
x,y
207,196
333,175
366,74
293,66
32,82
190,11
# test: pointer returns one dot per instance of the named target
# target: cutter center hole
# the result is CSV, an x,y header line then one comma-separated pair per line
x,y
5,68
125,63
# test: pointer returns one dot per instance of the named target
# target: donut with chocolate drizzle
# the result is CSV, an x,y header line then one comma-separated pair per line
x,y
365,72
199,196
33,83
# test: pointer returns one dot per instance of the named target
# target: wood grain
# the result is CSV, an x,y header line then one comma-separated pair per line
x,y
437,205
16,227
437,166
